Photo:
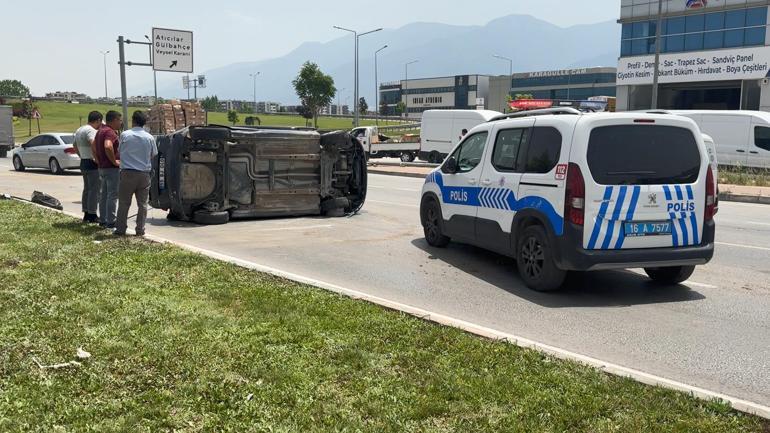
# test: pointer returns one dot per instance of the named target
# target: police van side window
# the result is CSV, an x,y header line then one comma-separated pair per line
x,y
508,145
762,137
469,154
543,150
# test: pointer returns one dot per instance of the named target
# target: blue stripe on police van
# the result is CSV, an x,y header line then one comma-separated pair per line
x,y
615,217
667,191
693,220
629,215
600,218
672,215
683,220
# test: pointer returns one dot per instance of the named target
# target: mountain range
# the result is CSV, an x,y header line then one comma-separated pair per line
x,y
441,50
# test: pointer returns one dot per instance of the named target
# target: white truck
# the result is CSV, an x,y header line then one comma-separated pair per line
x,y
442,129
6,130
378,145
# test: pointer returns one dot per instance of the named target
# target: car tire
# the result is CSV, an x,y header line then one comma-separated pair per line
x,y
335,204
433,223
211,218
407,157
54,166
535,261
17,164
670,275
434,157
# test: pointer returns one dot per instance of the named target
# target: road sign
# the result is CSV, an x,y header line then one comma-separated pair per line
x,y
36,114
185,82
172,50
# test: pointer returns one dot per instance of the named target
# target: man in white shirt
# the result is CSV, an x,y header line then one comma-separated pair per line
x,y
137,149
84,145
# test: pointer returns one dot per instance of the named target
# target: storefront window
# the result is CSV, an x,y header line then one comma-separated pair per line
x,y
674,44
712,40
734,38
693,42
675,25
694,23
756,17
755,36
715,21
735,19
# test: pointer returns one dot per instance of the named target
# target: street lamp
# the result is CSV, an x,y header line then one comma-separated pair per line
x,y
377,90
510,63
254,76
406,86
154,72
356,35
104,54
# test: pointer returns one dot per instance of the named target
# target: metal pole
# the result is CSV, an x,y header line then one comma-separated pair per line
x,y
355,97
657,56
406,86
123,95
377,89
104,55
188,87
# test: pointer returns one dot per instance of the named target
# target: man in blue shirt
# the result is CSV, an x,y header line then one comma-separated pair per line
x,y
137,149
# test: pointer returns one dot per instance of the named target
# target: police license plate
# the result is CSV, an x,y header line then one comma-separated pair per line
x,y
648,228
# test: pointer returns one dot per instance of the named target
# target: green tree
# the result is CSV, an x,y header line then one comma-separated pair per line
x,y
363,107
523,96
13,88
210,103
305,112
247,109
314,88
232,117
400,107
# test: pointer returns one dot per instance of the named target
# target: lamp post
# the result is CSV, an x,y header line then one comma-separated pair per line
x,y
377,90
356,35
656,70
104,55
406,86
510,63
154,72
254,77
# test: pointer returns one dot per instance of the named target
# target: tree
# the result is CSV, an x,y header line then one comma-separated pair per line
x,y
400,107
305,112
363,107
13,88
210,103
520,96
314,88
232,117
247,109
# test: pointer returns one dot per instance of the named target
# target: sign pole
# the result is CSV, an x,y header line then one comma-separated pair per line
x,y
657,56
122,62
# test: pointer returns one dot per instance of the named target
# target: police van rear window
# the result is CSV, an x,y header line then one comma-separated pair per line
x,y
643,155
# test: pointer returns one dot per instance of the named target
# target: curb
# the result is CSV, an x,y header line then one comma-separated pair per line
x,y
614,369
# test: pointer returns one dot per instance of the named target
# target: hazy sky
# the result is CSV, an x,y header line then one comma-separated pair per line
x,y
54,44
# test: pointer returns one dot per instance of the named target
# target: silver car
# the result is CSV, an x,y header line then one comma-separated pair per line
x,y
53,151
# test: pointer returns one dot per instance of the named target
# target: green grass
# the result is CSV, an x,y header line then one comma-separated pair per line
x,y
63,117
185,343
744,176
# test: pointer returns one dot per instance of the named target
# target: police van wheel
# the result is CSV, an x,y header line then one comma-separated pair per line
x,y
672,275
210,218
431,224
535,261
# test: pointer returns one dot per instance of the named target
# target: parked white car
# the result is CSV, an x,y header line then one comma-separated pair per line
x,y
441,130
54,151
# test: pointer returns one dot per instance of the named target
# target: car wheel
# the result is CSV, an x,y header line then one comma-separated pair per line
x,y
432,222
17,164
54,166
671,275
535,261
434,157
211,218
407,157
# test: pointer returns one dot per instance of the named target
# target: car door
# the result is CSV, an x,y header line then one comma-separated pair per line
x,y
48,148
759,152
460,190
499,185
30,154
731,134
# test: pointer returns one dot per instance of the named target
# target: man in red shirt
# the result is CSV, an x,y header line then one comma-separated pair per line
x,y
108,159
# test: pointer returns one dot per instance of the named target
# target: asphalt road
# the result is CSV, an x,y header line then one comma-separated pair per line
x,y
712,332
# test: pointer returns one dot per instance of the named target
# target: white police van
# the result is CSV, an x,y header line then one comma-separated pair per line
x,y
562,191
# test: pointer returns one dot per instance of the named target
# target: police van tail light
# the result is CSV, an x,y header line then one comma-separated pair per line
x,y
575,196
711,196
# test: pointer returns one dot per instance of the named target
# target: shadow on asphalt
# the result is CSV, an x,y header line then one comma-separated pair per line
x,y
582,289
39,171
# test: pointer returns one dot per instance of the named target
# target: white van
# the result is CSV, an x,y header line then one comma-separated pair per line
x,y
742,137
559,190
441,130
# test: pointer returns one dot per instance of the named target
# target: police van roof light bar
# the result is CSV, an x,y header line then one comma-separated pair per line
x,y
542,112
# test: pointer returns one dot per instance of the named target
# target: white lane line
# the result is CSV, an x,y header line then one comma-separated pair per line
x,y
394,189
615,369
686,283
392,203
753,247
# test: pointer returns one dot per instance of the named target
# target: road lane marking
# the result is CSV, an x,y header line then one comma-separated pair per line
x,y
393,203
482,331
394,189
753,247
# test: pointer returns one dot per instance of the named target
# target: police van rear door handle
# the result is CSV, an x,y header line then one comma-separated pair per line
x,y
486,182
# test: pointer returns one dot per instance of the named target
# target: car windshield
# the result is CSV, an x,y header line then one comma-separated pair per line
x,y
67,139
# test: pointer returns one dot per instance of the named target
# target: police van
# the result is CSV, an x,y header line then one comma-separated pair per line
x,y
559,190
